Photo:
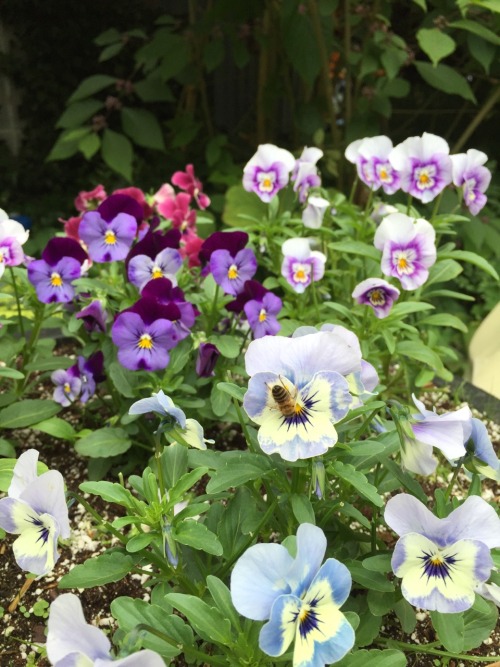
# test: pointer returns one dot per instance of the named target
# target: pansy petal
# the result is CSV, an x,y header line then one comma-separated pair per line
x,y
145,405
193,434
277,635
446,436
69,633
311,548
24,472
417,457
258,580
35,550
46,495
146,658
76,660
440,579
405,514
483,448
475,519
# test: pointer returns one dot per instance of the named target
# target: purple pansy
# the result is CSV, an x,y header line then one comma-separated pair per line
x,y
470,174
206,360
68,386
376,293
143,335
301,265
153,242
93,316
260,307
109,231
408,248
90,372
485,461
182,313
371,157
424,165
230,271
268,171
442,561
52,276
142,268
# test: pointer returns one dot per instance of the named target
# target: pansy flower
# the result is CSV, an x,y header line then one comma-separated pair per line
x,y
93,316
187,181
12,237
181,313
376,293
424,165
309,155
261,308
371,157
143,335
408,248
206,359
297,392
153,242
299,597
143,268
90,372
301,266
68,386
314,212
36,510
109,231
307,177
63,260
231,269
268,171
442,561
484,459
137,195
470,174
447,432
71,642
190,247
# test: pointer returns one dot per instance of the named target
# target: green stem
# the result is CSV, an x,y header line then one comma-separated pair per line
x,y
408,204
436,206
421,648
98,517
315,301
18,302
243,424
158,453
366,423
454,477
213,312
353,189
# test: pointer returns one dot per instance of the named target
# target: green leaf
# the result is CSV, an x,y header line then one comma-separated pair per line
x,y
111,492
213,54
10,373
184,483
89,145
477,29
58,428
7,449
422,4
477,625
221,401
442,271
446,79
379,603
222,598
153,89
122,379
139,542
370,580
301,46
196,535
450,630
303,509
472,258
378,563
238,470
415,349
483,52
444,320
401,309
435,43
109,36
228,346
90,85
232,389
78,112
406,615
207,621
356,248
111,51
131,612
27,412
99,570
358,481
392,60
240,203
374,658
230,526
117,153
143,128
104,442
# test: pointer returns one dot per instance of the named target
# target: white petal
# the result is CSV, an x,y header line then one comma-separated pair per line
x,y
24,473
475,520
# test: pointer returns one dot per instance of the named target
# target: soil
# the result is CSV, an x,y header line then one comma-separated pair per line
x,y
24,630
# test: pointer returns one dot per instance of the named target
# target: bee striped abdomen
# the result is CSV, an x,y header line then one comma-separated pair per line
x,y
284,400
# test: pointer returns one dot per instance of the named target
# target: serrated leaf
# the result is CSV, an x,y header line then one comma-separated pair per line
x,y
103,443
143,128
98,571
446,79
197,536
117,153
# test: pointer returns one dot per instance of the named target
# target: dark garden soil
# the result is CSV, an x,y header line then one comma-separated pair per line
x,y
24,629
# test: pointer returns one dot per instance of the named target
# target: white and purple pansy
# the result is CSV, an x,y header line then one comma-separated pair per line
x,y
371,157
376,293
36,510
297,392
314,212
299,597
408,248
307,177
424,165
12,237
71,642
68,386
442,561
142,268
268,171
447,432
470,174
301,266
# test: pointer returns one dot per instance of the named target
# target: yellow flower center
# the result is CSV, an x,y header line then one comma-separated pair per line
x,y
145,342
300,274
66,388
262,315
266,183
437,560
423,179
402,263
232,272
304,613
377,296
110,237
156,272
56,280
1,256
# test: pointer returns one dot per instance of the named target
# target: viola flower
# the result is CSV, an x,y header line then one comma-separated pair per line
x,y
206,360
371,157
299,597
107,241
314,212
180,312
93,316
297,393
309,155
260,307
177,210
36,510
442,561
408,248
484,459
187,181
380,210
448,432
230,271
89,200
230,241
424,165
376,293
62,262
142,268
12,237
68,386
153,242
470,174
301,265
143,335
268,171
307,177
137,195
72,641
90,372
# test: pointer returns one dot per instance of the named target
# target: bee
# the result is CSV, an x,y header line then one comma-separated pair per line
x,y
285,401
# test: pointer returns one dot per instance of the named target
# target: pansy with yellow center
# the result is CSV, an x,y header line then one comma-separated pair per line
x,y
408,248
370,155
107,240
299,597
376,293
231,271
12,237
143,268
53,283
268,171
470,174
301,266
442,561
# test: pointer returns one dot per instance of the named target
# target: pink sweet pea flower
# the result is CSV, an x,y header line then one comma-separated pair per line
x,y
187,181
89,200
177,210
